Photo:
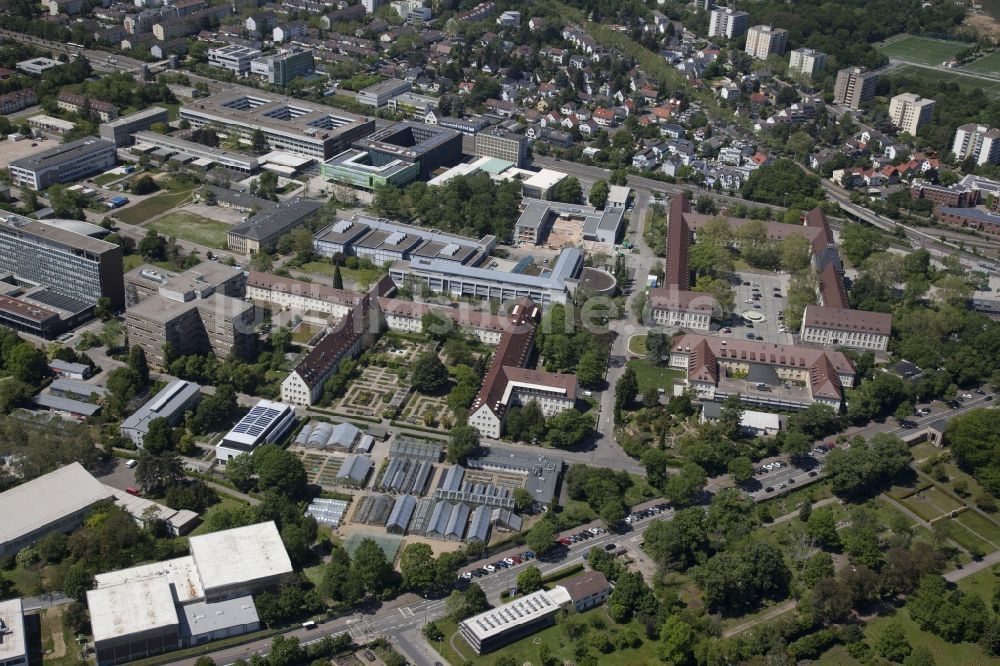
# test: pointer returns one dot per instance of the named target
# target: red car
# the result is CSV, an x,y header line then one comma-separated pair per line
x,y
132,490
565,541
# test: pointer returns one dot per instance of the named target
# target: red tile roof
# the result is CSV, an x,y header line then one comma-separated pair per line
x,y
831,288
665,298
844,319
678,239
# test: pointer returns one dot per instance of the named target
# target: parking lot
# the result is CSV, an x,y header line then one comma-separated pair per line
x,y
771,291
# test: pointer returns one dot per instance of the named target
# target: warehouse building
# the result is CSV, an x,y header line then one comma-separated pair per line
x,y
260,566
265,423
55,502
63,164
294,125
171,403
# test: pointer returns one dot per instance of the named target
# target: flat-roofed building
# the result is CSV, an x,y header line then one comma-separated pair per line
x,y
383,240
265,423
379,94
909,112
38,66
55,502
13,643
294,125
763,40
727,22
234,57
840,327
807,61
537,218
133,621
502,144
854,86
63,164
175,148
239,562
176,398
282,67
199,311
486,282
514,620
261,231
120,130
69,264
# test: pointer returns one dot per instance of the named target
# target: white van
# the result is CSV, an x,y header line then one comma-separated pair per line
x,y
131,462
308,624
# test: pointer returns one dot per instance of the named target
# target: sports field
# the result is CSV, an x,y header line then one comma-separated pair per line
x,y
921,50
964,81
988,64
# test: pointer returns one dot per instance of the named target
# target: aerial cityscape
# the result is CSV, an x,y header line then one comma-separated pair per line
x,y
496,333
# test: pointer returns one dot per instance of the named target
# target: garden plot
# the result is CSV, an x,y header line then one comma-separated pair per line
x,y
372,393
427,411
321,468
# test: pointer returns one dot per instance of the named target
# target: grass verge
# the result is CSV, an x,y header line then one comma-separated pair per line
x,y
193,228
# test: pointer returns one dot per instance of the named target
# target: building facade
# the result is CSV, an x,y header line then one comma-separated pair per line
x,y
854,86
763,40
727,22
281,68
233,57
503,145
120,130
909,112
682,309
978,142
63,164
807,61
840,327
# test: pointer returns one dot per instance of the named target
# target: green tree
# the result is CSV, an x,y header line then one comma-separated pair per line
x,y
678,639
27,364
529,580
568,190
598,196
371,568
429,375
159,437
822,526
144,185
541,537
891,643
463,442
279,470
569,428
153,246
258,142
741,469
816,568
417,567
683,487
338,279
626,389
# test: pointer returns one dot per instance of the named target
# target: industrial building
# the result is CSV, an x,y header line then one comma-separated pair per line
x,y
120,130
198,311
294,125
68,263
537,218
55,502
263,229
176,398
63,164
13,642
265,423
382,240
396,155
187,601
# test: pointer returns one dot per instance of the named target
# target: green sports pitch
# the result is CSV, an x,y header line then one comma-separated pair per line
x,y
988,64
920,50
966,81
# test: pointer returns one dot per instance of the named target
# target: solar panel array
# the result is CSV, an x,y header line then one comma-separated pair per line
x,y
256,421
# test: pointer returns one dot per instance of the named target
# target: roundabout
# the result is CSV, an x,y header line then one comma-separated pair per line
x,y
753,315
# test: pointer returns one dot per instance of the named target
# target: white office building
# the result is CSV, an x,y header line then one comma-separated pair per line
x,y
266,423
807,61
234,57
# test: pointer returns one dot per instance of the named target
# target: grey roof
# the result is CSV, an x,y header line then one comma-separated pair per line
x,y
567,266
453,478
273,221
507,519
972,214
344,434
410,447
66,404
457,519
175,396
542,470
63,154
73,387
438,523
355,468
402,512
422,516
66,366
54,234
240,199
202,618
479,527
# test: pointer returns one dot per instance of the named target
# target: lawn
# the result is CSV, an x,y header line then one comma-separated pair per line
x,y
191,227
361,276
945,653
637,345
527,649
965,80
132,261
967,539
984,527
305,332
921,50
789,502
106,178
931,503
153,206
988,64
980,584
224,503
650,375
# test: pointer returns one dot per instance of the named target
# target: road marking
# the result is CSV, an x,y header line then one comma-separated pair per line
x,y
406,611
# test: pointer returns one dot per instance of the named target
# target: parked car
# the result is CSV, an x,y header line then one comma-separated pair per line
x,y
132,490
610,546
489,568
131,462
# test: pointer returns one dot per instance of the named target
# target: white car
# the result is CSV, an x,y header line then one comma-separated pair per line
x,y
509,561
967,396
131,462
490,568
467,575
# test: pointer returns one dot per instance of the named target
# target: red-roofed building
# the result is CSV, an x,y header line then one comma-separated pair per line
x,y
509,383
831,288
841,327
686,309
